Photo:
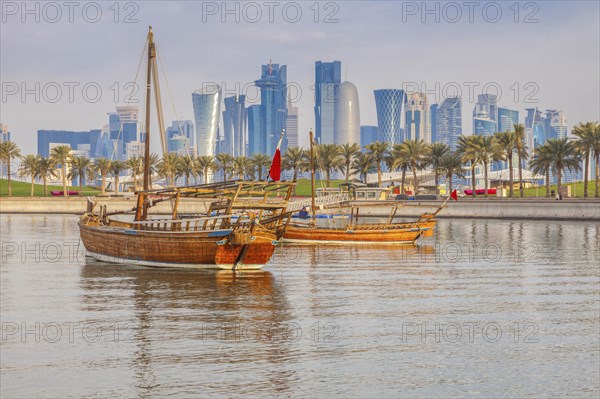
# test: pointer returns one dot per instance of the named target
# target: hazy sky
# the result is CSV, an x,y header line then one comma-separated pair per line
x,y
545,55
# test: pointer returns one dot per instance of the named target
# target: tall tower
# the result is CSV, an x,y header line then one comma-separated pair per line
x,y
273,111
507,118
449,121
207,112
347,115
328,77
291,130
418,120
234,126
390,114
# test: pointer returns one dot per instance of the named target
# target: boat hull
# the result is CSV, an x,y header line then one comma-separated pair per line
x,y
343,236
196,250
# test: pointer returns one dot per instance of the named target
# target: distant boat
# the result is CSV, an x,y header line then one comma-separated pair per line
x,y
239,230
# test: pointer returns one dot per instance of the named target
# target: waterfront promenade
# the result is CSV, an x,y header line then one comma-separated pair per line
x,y
493,208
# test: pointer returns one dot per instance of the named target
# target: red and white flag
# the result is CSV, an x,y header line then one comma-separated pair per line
x,y
454,195
275,171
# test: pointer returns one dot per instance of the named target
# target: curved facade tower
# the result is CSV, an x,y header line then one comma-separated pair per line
x,y
390,104
207,112
347,112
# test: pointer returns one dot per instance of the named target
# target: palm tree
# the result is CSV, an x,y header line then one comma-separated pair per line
x,y
30,166
362,165
596,149
348,152
204,164
102,165
116,167
79,166
522,155
468,147
416,151
329,160
9,151
46,169
505,144
292,160
452,165
437,152
542,164
564,156
399,159
260,162
378,151
60,156
487,152
136,167
224,164
585,144
187,167
91,174
241,166
167,168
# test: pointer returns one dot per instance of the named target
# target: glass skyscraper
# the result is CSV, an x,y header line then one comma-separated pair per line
x,y
234,126
507,118
433,115
78,141
328,77
255,142
180,137
390,105
207,113
484,127
555,124
273,107
368,134
347,115
291,130
449,121
418,121
535,134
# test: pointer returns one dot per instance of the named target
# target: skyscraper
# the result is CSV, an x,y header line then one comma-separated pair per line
x,y
484,126
555,124
449,121
535,134
234,126
390,114
180,137
486,107
291,130
418,121
328,77
273,111
433,115
347,115
507,118
207,113
368,134
4,133
84,142
255,130
123,129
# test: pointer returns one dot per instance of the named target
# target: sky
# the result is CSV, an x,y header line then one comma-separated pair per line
x,y
64,65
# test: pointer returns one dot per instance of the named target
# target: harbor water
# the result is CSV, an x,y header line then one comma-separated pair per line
x,y
484,308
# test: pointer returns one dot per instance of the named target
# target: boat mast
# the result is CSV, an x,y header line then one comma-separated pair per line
x,y
312,179
142,209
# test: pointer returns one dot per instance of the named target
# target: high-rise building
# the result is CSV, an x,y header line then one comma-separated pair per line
x,y
123,127
347,115
486,107
273,111
390,115
255,130
555,124
234,126
433,115
4,133
483,126
535,134
507,118
291,129
449,122
418,121
180,137
85,141
207,113
368,134
328,77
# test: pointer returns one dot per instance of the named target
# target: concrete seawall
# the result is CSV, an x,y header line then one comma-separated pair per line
x,y
464,208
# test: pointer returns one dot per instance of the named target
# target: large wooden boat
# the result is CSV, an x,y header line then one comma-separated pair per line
x,y
239,230
389,233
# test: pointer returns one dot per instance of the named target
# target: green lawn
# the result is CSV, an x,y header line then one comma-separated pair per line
x,y
576,190
303,186
21,189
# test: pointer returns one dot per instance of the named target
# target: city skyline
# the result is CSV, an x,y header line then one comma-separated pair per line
x,y
368,55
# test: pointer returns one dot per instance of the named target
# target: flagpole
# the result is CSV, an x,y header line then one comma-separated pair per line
x,y
312,179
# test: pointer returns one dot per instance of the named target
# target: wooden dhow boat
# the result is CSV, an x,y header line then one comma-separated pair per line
x,y
389,233
239,230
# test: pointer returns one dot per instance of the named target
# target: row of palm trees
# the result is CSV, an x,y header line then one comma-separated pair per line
x,y
555,156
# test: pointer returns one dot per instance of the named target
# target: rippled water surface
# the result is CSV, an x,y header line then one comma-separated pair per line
x,y
483,309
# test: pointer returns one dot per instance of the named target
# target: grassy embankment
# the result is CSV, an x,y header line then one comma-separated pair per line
x,y
22,189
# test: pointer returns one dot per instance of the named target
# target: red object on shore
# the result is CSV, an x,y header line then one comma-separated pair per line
x,y
454,195
275,171
481,191
69,193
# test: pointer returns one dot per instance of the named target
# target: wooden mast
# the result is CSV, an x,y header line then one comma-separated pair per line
x,y
312,179
142,208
